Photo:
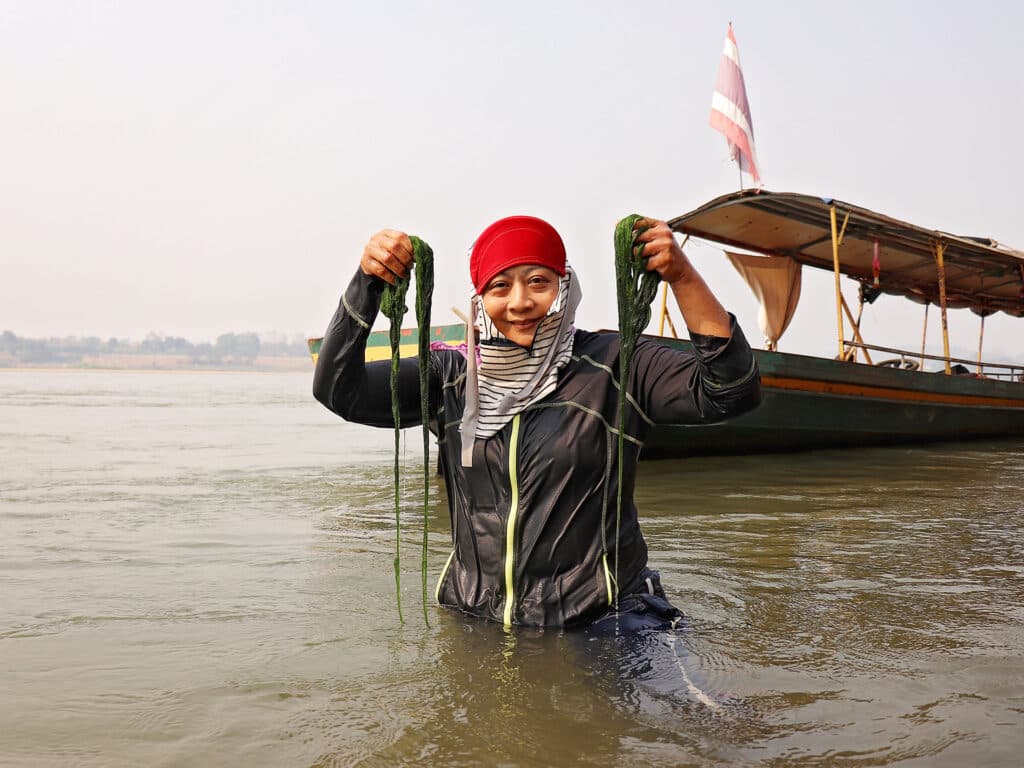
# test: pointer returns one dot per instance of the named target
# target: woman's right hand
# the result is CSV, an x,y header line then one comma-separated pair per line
x,y
387,255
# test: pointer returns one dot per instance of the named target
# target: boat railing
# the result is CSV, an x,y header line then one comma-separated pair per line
x,y
915,360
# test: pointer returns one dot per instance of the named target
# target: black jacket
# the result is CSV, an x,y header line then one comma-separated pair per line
x,y
534,522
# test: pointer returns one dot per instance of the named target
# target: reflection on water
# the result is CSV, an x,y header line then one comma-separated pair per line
x,y
197,571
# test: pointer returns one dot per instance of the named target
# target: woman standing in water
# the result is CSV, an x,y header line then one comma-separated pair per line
x,y
526,422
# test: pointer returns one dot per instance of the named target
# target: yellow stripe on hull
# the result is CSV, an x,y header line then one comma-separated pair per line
x,y
381,353
384,353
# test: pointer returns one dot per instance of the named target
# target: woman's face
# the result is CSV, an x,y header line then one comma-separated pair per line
x,y
518,298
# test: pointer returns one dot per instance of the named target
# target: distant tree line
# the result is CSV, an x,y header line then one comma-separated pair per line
x,y
229,348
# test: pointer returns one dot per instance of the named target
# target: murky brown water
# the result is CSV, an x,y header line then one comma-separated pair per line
x,y
195,570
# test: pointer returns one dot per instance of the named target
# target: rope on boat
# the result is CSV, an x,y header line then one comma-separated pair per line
x,y
393,306
636,287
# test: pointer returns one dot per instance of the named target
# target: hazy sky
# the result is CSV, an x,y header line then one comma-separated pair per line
x,y
193,168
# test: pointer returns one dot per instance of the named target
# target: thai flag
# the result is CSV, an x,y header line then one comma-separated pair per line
x,y
730,112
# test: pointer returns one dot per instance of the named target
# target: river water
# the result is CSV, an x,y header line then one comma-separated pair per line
x,y
196,570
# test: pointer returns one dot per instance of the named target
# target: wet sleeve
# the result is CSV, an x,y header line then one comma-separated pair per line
x,y
344,382
715,382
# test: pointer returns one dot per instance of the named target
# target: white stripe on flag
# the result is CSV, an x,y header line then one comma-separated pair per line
x,y
733,114
731,51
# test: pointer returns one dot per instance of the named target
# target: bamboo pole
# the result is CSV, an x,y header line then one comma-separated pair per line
x,y
672,326
665,316
940,251
664,309
981,340
855,322
839,293
924,334
856,332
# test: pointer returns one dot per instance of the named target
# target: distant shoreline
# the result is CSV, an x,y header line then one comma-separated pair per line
x,y
166,363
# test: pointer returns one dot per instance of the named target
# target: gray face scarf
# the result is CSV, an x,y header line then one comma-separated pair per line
x,y
507,377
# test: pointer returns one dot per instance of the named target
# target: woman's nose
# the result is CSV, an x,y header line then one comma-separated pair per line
x,y
519,297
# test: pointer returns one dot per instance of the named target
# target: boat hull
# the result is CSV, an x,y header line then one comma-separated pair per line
x,y
811,402
378,344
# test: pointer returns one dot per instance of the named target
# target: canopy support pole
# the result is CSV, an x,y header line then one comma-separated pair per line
x,y
664,309
940,251
856,331
924,334
837,239
981,340
665,316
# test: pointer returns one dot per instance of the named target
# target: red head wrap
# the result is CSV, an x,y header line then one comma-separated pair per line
x,y
513,241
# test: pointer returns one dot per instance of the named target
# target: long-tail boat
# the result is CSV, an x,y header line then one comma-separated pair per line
x,y
854,398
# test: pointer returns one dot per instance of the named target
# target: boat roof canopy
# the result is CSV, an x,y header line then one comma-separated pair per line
x,y
981,274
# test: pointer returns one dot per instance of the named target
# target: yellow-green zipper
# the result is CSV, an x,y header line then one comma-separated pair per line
x,y
440,579
608,579
510,527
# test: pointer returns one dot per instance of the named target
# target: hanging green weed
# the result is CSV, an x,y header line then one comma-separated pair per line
x,y
636,287
393,306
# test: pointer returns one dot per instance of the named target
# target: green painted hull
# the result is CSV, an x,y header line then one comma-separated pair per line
x,y
813,402
378,345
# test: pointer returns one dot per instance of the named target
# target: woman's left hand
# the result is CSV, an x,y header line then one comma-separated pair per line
x,y
662,252
701,311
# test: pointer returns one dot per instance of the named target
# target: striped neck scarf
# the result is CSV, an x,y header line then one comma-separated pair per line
x,y
503,378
